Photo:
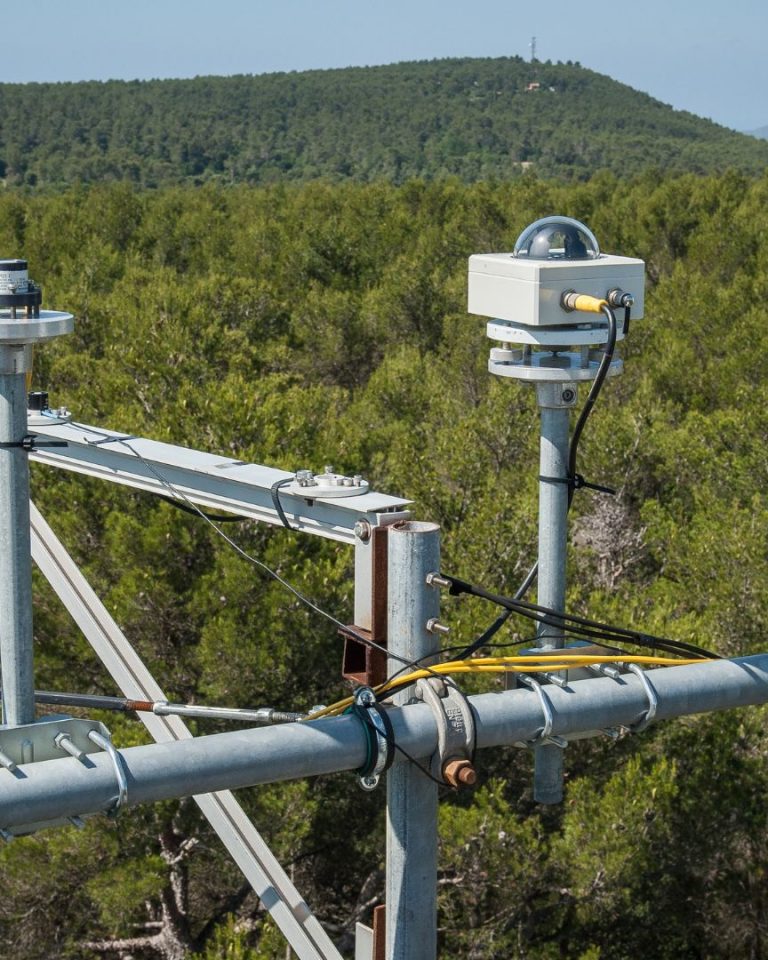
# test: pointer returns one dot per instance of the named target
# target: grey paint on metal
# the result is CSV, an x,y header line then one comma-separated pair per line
x,y
553,539
56,788
241,838
411,884
209,480
16,657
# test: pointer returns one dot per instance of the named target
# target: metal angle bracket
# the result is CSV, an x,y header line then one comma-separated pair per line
x,y
452,762
52,738
366,662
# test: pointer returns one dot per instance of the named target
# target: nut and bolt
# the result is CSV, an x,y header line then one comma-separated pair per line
x,y
459,773
64,742
365,697
434,626
363,531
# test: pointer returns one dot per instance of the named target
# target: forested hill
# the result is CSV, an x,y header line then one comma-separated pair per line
x,y
473,118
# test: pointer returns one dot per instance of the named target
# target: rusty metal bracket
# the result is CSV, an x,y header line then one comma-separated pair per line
x,y
363,663
452,762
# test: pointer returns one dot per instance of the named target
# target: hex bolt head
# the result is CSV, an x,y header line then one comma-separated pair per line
x,y
434,626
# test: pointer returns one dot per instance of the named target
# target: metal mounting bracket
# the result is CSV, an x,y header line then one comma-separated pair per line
x,y
51,738
650,692
546,736
379,734
452,761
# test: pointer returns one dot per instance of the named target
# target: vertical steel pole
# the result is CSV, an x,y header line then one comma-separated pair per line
x,y
411,889
553,540
16,662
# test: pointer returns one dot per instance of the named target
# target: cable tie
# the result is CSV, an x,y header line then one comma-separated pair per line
x,y
31,442
577,482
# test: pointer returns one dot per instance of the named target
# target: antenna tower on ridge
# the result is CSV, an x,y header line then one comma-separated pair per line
x,y
532,45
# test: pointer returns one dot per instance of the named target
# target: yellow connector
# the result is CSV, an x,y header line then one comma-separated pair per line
x,y
582,302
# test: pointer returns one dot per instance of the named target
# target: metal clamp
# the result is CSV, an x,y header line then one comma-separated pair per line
x,y
546,735
118,763
379,735
653,698
452,761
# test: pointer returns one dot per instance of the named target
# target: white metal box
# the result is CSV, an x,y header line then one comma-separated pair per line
x,y
526,291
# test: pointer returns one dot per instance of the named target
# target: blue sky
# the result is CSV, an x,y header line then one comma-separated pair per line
x,y
707,57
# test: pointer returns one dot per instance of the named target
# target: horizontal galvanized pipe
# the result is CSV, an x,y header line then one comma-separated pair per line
x,y
67,787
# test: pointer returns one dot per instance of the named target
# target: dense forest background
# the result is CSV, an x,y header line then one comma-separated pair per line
x,y
472,118
303,324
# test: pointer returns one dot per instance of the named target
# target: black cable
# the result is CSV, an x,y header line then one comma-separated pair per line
x,y
180,496
275,492
578,625
597,385
216,517
573,476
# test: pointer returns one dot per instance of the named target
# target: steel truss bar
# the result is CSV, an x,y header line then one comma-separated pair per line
x,y
241,838
56,788
208,480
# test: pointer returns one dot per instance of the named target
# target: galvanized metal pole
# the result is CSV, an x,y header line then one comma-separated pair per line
x,y
16,662
553,540
63,788
411,886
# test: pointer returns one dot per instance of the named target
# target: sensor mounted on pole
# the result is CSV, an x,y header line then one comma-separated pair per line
x,y
528,293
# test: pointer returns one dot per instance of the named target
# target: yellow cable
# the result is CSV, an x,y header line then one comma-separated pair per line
x,y
551,662
587,304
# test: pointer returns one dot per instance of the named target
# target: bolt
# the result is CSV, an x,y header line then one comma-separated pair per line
x,y
369,783
365,696
459,773
64,742
436,580
568,395
434,626
328,468
363,531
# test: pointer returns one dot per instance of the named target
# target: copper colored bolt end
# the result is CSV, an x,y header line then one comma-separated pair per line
x,y
460,773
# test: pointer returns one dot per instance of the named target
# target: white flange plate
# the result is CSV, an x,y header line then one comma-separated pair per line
x,y
545,368
49,324
324,485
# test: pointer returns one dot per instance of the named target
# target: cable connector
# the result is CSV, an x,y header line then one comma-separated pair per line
x,y
618,298
572,300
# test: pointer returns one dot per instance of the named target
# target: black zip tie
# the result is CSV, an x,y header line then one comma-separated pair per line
x,y
577,482
275,491
31,442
